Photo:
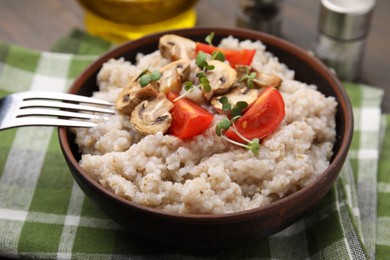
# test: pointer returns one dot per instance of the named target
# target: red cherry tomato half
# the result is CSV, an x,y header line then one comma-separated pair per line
x,y
235,57
262,118
188,118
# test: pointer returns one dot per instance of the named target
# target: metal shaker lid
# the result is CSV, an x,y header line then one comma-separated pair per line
x,y
346,19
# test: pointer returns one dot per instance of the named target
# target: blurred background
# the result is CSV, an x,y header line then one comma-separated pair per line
x,y
39,24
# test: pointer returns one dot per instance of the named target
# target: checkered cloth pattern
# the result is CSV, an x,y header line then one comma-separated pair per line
x,y
44,214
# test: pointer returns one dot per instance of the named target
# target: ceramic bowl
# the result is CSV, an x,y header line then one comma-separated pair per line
x,y
223,230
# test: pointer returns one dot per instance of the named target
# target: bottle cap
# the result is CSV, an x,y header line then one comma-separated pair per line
x,y
346,19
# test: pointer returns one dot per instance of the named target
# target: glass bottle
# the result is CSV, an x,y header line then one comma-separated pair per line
x,y
260,15
343,28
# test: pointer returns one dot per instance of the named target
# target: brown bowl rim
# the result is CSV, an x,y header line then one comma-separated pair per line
x,y
234,216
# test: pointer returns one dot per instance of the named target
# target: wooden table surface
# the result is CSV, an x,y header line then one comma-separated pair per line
x,y
38,24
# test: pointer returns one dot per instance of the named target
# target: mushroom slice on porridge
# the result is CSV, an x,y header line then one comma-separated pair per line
x,y
130,97
221,78
175,47
235,95
261,79
152,116
173,74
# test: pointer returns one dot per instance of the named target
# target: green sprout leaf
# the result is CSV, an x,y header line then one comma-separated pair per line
x,y
204,82
218,130
200,74
147,77
238,108
218,55
209,67
250,84
155,75
225,123
207,87
234,118
223,100
226,107
254,146
200,59
144,80
241,105
235,112
209,38
188,85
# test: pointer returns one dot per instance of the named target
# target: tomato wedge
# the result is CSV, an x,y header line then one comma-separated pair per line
x,y
235,57
262,118
188,118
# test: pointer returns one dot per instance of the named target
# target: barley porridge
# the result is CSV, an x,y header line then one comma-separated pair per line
x,y
206,173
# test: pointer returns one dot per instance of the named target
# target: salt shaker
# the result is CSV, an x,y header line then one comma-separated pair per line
x,y
343,27
261,15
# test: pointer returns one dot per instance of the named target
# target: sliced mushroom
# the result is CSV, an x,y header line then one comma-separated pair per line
x,y
267,80
221,78
130,97
182,66
261,79
150,117
235,95
173,74
175,47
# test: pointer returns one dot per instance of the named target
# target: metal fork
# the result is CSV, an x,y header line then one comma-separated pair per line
x,y
39,108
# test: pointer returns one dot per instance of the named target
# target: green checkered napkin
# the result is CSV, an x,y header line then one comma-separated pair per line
x,y
44,214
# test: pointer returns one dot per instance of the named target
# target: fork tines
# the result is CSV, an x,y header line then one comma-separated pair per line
x,y
52,109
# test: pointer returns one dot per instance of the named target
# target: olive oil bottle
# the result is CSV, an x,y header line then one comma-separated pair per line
x,y
122,20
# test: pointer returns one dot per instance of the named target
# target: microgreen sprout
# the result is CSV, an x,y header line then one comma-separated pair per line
x,y
249,77
252,145
189,86
234,111
147,77
209,38
216,55
226,106
201,61
203,81
238,108
224,125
